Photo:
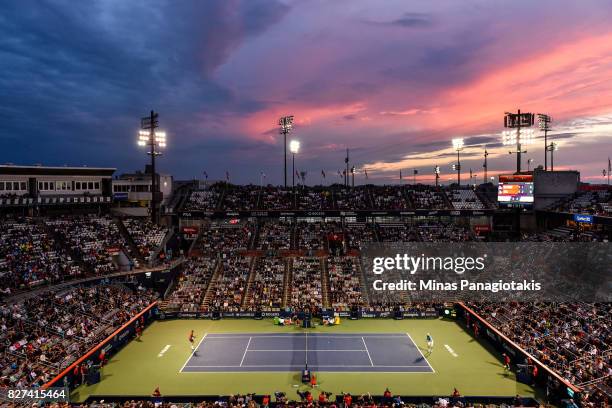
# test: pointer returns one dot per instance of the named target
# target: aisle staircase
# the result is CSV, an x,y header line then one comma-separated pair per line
x,y
213,283
249,284
325,294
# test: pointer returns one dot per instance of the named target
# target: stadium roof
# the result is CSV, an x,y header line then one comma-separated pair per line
x,y
55,171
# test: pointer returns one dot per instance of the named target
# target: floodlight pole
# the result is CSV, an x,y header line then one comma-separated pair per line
x,y
346,175
152,152
518,143
545,126
285,127
458,169
551,148
486,167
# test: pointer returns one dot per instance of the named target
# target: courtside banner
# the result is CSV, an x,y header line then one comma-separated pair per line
x,y
490,271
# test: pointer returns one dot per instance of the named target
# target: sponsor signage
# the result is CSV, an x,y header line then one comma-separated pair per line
x,y
331,213
585,219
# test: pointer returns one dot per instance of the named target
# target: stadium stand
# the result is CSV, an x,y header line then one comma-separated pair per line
x,y
30,256
229,285
465,200
45,333
266,290
192,285
259,265
347,285
147,236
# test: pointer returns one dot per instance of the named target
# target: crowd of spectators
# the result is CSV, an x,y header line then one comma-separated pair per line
x,y
308,399
275,236
267,287
229,288
360,234
352,199
192,284
202,200
31,256
43,334
306,283
237,198
315,199
598,202
345,286
572,339
397,232
465,200
369,197
444,233
146,235
225,238
94,239
428,198
388,198
311,235
278,198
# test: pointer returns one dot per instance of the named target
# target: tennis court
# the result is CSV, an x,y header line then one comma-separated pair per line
x,y
346,352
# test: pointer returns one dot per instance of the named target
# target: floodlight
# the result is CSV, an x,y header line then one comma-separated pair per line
x,y
458,143
294,146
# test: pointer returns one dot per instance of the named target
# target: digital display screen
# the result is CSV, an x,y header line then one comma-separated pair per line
x,y
515,189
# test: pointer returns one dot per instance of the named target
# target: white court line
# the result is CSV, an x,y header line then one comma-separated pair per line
x,y
163,351
193,352
450,350
420,352
306,346
245,351
367,351
336,351
318,365
290,335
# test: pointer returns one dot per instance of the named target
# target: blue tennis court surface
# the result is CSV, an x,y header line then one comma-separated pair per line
x,y
346,352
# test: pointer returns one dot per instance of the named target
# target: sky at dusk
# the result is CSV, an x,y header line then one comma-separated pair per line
x,y
394,81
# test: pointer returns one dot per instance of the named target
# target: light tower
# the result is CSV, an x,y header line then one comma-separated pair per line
x,y
544,122
286,124
458,147
437,174
520,136
155,140
552,148
485,166
294,148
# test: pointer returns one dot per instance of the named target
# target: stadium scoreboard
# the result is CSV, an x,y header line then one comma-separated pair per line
x,y
515,189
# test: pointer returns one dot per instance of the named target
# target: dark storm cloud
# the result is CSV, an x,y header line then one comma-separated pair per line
x,y
408,20
77,76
